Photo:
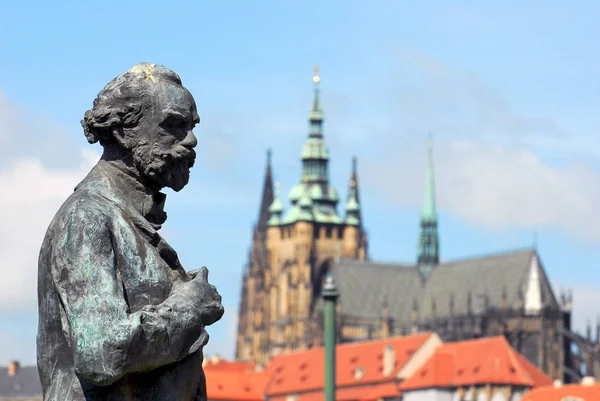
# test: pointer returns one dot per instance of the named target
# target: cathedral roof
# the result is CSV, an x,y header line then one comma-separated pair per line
x,y
513,279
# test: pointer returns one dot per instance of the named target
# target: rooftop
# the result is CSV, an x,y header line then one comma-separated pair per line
x,y
483,361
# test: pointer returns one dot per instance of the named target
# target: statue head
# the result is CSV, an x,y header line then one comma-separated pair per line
x,y
146,116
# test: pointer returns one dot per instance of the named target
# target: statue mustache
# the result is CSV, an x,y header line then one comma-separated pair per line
x,y
177,154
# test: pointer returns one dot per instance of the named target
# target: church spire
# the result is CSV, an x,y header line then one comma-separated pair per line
x,y
428,255
267,197
315,156
429,212
314,199
316,114
353,202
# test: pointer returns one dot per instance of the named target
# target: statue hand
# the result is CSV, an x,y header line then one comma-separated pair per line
x,y
208,299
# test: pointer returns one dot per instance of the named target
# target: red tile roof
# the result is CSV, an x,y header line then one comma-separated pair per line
x,y
223,364
235,384
303,371
385,390
576,392
370,392
488,360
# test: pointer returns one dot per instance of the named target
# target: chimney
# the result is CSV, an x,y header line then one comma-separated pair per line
x,y
588,381
13,368
389,360
215,359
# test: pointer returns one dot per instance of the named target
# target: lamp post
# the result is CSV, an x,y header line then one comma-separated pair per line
x,y
330,295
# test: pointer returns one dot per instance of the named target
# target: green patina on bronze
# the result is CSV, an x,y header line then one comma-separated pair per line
x,y
119,318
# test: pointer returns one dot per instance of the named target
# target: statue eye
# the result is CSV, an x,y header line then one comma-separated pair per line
x,y
174,123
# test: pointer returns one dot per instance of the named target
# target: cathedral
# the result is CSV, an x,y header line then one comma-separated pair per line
x,y
293,251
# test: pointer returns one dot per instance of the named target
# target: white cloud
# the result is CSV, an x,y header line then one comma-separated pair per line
x,y
33,194
495,187
34,182
496,167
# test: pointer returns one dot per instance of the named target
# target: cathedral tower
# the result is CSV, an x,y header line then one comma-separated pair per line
x,y
300,248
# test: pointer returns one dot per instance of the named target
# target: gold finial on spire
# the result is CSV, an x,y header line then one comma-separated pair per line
x,y
316,78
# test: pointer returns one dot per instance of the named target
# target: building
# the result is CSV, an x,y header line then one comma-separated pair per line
x,y
505,294
416,367
234,381
587,390
288,257
20,383
362,369
484,369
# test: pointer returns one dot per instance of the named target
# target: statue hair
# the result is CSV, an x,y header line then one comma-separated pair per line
x,y
124,100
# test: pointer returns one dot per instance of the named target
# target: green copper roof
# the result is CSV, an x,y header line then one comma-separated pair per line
x,y
429,212
428,249
353,204
314,148
305,204
275,209
313,199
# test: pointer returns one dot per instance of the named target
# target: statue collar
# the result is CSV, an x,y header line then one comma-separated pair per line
x,y
132,193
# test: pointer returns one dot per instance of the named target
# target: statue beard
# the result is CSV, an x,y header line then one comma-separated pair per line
x,y
166,168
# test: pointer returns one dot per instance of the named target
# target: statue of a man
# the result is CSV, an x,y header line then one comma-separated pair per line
x,y
119,317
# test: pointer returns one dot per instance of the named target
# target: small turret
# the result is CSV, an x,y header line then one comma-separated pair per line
x,y
276,208
305,204
352,204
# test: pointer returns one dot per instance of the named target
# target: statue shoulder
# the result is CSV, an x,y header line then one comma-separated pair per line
x,y
85,208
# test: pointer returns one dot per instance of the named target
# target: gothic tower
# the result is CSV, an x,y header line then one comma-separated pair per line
x,y
282,290
428,253
252,277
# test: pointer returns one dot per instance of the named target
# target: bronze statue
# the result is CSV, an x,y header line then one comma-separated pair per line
x,y
119,317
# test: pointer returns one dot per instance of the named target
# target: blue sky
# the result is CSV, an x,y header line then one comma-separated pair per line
x,y
509,90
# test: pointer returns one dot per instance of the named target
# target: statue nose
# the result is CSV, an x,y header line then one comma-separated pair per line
x,y
190,140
